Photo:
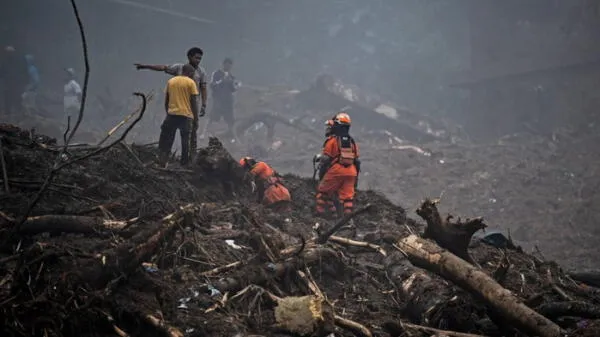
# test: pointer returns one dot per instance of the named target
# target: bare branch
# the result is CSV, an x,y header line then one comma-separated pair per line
x,y
87,73
57,166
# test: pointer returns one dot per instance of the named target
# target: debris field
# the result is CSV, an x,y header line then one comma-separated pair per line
x,y
116,246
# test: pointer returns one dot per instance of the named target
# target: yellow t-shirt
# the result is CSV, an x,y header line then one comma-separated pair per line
x,y
180,90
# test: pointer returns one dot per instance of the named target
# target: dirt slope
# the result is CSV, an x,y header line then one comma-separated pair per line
x,y
540,187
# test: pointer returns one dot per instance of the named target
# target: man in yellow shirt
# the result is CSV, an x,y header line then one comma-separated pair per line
x,y
181,107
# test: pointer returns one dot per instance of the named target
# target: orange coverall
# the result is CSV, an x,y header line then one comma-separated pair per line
x,y
338,179
272,189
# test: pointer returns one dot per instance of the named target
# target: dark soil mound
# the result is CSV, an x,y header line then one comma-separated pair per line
x,y
118,247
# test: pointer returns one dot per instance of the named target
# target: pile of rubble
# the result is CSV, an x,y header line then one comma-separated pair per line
x,y
118,247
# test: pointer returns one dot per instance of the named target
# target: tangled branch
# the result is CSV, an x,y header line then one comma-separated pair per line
x,y
58,166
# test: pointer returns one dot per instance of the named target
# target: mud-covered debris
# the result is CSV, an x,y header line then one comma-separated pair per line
x,y
167,268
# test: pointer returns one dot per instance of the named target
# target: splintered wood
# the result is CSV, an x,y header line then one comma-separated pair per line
x,y
430,256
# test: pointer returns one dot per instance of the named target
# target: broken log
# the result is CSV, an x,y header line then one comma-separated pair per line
x,y
68,224
454,236
428,255
126,258
305,315
570,308
589,277
399,329
354,243
312,314
430,300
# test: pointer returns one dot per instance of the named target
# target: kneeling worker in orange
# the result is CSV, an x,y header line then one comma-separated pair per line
x,y
271,191
339,167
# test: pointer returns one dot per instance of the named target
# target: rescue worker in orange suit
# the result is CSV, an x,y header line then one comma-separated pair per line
x,y
271,191
339,167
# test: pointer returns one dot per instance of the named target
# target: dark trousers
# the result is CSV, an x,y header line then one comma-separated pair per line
x,y
167,136
222,110
193,136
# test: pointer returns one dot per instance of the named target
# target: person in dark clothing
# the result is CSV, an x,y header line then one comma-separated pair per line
x,y
223,86
194,56
181,107
13,72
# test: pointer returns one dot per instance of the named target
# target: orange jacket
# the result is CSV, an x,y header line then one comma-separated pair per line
x,y
270,188
332,149
261,170
265,173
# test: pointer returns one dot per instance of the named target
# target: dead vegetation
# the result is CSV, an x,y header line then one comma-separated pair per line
x,y
116,247
97,241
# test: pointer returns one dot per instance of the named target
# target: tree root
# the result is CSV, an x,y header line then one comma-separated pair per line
x,y
454,236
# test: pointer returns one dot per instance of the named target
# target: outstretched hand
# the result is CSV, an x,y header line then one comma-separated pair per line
x,y
138,66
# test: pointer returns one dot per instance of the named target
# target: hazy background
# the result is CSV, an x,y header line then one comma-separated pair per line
x,y
514,60
496,67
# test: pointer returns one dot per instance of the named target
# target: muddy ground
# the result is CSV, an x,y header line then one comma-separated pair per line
x,y
149,245
540,187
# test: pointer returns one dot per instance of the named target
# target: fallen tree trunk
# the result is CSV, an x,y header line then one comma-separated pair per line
x,y
571,308
126,258
430,300
68,224
589,277
428,255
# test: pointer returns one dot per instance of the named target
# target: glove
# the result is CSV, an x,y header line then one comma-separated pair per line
x,y
323,166
317,158
202,111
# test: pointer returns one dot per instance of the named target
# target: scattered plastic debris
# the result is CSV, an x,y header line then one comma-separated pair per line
x,y
150,267
231,243
214,291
